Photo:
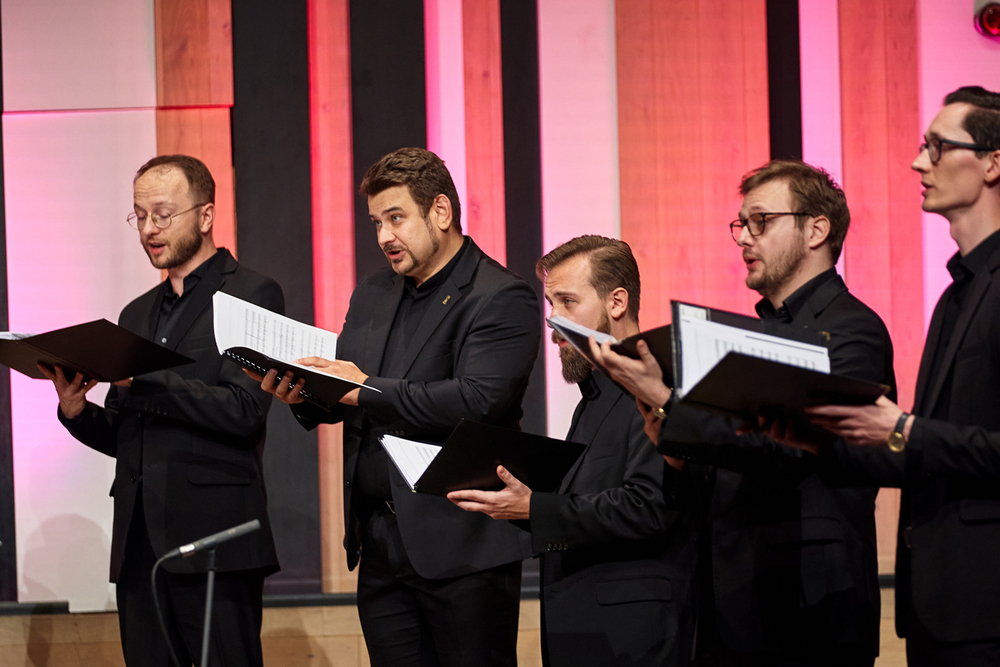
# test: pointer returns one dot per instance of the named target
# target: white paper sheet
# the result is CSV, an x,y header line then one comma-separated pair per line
x,y
705,343
239,323
410,457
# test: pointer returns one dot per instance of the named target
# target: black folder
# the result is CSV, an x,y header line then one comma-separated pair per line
x,y
745,386
99,350
321,389
659,341
470,456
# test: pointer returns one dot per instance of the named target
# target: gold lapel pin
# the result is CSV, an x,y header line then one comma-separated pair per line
x,y
446,300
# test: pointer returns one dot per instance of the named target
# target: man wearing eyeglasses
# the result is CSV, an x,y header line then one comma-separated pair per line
x,y
788,567
946,454
188,441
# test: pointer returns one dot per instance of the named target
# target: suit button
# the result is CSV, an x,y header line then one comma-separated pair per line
x,y
132,478
347,483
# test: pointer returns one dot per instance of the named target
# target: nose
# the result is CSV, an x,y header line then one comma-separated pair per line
x,y
922,162
744,238
385,235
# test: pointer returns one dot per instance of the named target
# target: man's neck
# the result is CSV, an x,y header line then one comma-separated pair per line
x,y
624,328
810,268
450,246
179,273
972,226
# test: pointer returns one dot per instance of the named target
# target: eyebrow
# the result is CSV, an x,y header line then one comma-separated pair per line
x,y
391,209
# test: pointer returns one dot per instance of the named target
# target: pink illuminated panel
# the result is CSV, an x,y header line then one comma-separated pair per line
x,y
71,258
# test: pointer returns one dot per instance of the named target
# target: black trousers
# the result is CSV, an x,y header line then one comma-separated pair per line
x,y
236,610
409,621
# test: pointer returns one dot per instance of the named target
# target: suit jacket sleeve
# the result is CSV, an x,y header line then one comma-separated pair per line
x,y
495,358
635,510
234,405
939,448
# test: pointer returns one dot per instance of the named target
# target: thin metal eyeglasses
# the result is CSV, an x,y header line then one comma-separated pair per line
x,y
755,223
135,222
933,147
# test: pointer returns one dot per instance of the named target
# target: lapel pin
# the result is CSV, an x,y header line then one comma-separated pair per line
x,y
446,300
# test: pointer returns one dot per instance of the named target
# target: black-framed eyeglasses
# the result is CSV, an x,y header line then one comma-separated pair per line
x,y
933,147
137,221
755,223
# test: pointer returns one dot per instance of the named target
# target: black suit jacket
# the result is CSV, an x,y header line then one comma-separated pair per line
x,y
616,563
471,359
794,562
950,475
194,433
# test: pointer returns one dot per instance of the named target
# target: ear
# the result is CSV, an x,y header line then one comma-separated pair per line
x,y
817,230
992,174
440,212
207,218
617,303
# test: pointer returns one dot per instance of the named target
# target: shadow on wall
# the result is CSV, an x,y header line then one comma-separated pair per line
x,y
61,563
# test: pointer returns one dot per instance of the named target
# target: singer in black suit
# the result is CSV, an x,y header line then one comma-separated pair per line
x,y
947,457
188,441
616,563
444,333
788,566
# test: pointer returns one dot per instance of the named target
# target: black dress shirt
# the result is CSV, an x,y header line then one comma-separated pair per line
x,y
172,305
373,472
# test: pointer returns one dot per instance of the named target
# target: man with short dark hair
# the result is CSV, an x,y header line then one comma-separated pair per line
x,y
188,441
444,333
789,570
615,562
946,455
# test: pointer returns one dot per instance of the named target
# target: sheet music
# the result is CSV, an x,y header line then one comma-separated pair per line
x,y
8,335
239,323
410,457
705,343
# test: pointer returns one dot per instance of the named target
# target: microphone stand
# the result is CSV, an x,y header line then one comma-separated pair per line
x,y
209,593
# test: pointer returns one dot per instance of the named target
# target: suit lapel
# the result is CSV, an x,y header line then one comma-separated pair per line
x,y
927,358
382,315
598,410
977,290
209,284
146,327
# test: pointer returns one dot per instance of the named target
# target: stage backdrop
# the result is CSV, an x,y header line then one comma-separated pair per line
x,y
557,118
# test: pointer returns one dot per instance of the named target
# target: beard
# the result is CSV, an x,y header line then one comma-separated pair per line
x,y
774,278
182,249
575,367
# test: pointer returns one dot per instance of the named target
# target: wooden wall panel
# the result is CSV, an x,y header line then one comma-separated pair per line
x,y
194,52
333,245
692,109
484,209
883,253
205,134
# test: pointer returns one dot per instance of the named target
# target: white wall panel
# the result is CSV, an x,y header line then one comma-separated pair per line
x,y
78,54
71,258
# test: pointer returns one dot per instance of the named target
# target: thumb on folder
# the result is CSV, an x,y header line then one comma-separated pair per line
x,y
512,503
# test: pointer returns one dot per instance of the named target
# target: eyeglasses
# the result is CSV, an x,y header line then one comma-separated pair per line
x,y
136,221
755,223
933,147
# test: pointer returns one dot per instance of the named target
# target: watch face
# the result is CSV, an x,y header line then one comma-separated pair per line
x,y
896,441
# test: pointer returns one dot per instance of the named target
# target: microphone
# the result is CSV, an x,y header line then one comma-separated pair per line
x,y
213,540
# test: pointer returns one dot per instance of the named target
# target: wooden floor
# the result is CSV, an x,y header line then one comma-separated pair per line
x,y
306,636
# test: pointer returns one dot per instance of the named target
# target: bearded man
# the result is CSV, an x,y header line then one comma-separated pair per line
x,y
788,569
189,441
616,562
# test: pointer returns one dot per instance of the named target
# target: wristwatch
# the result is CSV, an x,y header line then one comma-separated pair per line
x,y
662,412
896,440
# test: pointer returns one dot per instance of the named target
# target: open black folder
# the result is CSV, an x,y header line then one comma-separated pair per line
x,y
470,456
659,341
99,350
745,386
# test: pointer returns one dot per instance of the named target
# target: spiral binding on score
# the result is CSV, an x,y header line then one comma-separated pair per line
x,y
260,370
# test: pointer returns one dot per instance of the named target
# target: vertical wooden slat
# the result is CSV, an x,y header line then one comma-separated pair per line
x,y
692,108
204,133
484,210
333,244
883,253
194,52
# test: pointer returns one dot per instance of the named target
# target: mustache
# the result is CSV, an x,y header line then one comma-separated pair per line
x,y
556,338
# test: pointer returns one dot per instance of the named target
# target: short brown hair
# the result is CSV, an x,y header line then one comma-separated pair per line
x,y
612,265
814,193
983,121
201,185
424,175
